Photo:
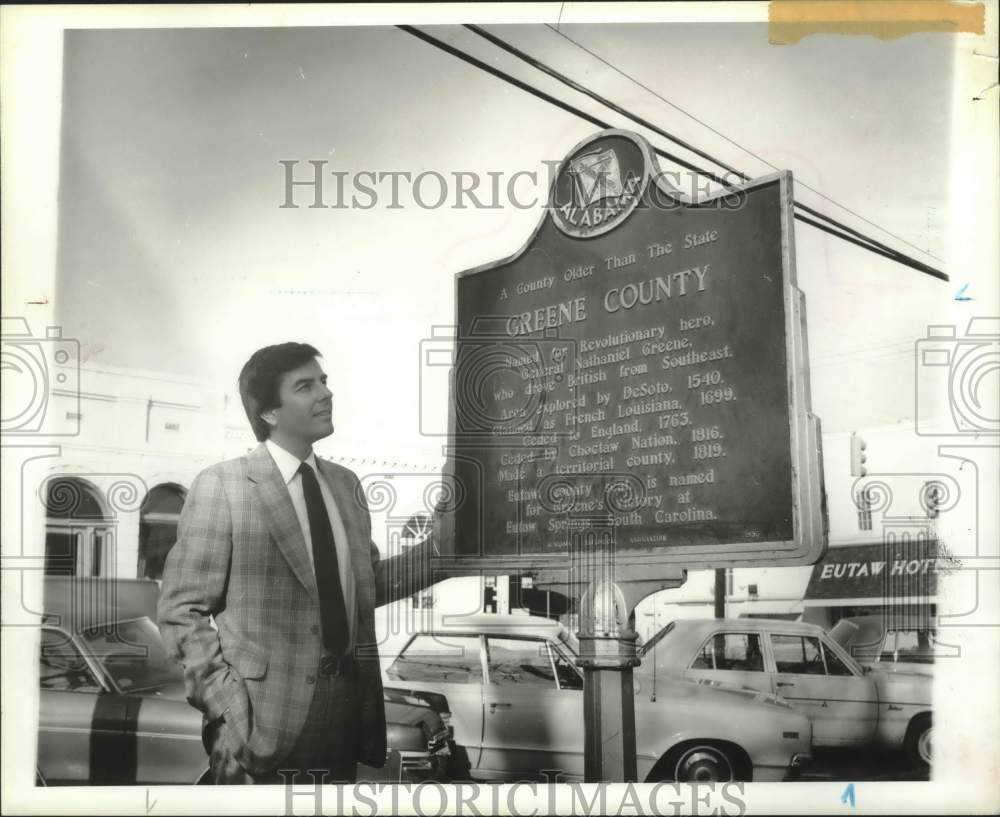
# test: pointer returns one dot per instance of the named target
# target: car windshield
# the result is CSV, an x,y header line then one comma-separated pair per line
x,y
133,654
645,648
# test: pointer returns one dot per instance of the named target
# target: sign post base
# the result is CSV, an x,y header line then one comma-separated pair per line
x,y
609,707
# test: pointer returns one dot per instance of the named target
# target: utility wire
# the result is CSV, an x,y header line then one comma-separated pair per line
x,y
527,58
863,242
842,231
524,86
521,55
733,142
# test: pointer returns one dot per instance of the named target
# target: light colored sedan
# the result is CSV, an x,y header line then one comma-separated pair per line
x,y
849,704
516,699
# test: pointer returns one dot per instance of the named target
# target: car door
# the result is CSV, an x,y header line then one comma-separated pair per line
x,y
842,703
76,717
732,658
533,710
160,740
452,665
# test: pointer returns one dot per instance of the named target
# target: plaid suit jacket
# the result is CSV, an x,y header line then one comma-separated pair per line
x,y
241,559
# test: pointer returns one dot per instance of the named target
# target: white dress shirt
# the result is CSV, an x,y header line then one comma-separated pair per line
x,y
288,464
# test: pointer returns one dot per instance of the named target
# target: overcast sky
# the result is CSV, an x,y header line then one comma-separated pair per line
x,y
174,254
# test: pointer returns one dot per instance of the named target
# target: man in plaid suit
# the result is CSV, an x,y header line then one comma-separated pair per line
x,y
268,595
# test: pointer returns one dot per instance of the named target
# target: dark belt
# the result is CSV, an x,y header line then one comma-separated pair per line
x,y
332,666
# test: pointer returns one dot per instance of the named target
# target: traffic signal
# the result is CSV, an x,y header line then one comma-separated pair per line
x,y
858,456
934,493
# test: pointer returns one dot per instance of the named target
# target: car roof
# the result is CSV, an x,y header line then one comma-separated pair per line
x,y
76,603
695,626
496,623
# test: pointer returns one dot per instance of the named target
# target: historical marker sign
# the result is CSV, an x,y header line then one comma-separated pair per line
x,y
643,359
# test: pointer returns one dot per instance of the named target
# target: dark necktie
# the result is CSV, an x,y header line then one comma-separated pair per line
x,y
332,610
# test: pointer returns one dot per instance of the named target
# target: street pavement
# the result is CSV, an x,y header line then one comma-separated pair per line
x,y
852,765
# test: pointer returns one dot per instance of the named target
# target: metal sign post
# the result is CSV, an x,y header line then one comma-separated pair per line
x,y
607,656
608,703
607,591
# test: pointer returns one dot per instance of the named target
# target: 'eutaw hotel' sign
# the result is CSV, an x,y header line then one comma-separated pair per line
x,y
642,359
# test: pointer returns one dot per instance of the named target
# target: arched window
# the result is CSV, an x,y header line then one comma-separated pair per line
x,y
418,527
158,519
79,531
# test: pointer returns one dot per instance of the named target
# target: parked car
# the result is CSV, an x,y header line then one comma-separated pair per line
x,y
849,705
872,642
113,709
516,698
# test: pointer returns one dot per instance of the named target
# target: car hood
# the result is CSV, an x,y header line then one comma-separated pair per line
x,y
900,673
410,715
401,713
173,691
844,632
899,685
900,668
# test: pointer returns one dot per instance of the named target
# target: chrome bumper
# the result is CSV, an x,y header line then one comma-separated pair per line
x,y
418,766
800,761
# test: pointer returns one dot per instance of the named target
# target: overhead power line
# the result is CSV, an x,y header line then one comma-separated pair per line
x,y
834,228
527,58
731,141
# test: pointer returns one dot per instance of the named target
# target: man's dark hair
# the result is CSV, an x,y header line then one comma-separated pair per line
x,y
260,380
